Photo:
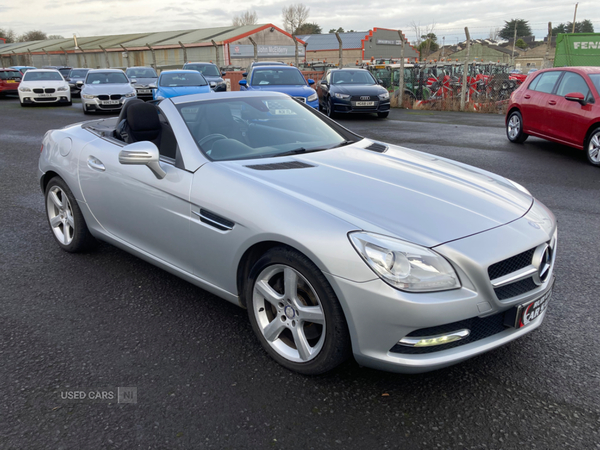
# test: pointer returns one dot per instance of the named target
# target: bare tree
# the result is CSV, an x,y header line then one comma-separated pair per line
x,y
246,18
494,34
423,34
8,34
34,35
55,36
294,16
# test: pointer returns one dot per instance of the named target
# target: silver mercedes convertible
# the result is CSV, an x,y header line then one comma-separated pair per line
x,y
335,244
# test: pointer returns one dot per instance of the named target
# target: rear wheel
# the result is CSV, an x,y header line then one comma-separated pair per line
x,y
593,147
295,313
514,128
383,115
64,216
329,108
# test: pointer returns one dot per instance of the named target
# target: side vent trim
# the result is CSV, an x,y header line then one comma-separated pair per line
x,y
281,166
214,220
377,147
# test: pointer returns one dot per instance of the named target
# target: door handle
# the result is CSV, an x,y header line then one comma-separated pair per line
x,y
95,164
552,102
527,96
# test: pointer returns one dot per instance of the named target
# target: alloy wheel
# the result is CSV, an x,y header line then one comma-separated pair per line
x,y
594,148
514,126
60,215
289,313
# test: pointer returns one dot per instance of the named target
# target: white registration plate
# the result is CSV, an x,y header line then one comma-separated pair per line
x,y
110,102
144,91
365,103
44,95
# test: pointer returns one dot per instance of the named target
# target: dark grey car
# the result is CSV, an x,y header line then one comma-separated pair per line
x,y
145,78
74,76
211,73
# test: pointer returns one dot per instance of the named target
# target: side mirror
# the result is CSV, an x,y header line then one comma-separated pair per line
x,y
152,86
213,84
380,81
223,74
311,81
576,97
323,82
243,83
79,84
133,81
245,74
143,153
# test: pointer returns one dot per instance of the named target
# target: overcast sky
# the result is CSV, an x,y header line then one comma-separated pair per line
x,y
102,17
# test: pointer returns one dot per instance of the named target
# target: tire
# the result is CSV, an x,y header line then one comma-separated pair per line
x,y
281,323
23,105
65,219
514,128
69,103
383,115
329,109
592,147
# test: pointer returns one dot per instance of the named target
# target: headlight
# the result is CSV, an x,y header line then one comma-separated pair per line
x,y
519,187
63,88
313,97
131,94
405,266
24,89
384,96
87,96
342,96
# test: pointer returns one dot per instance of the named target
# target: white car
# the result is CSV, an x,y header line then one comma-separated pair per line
x,y
44,86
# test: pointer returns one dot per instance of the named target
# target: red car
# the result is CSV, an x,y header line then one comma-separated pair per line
x,y
9,81
561,105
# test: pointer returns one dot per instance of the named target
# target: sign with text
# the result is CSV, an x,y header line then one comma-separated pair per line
x,y
247,51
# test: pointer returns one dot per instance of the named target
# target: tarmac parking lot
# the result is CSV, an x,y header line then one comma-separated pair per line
x,y
105,320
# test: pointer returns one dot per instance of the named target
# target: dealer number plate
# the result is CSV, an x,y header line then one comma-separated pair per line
x,y
110,102
522,315
365,103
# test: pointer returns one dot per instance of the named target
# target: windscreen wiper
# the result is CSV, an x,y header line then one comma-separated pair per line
x,y
300,150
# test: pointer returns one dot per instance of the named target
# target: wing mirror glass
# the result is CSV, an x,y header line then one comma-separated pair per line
x,y
576,97
143,153
311,81
243,83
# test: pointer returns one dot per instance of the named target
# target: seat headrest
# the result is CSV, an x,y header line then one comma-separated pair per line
x,y
143,117
126,105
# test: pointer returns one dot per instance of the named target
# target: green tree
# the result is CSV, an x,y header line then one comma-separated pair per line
x,y
34,35
428,44
309,28
585,26
8,34
521,43
508,32
339,30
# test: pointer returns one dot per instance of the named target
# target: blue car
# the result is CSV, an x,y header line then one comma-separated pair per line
x,y
173,83
286,79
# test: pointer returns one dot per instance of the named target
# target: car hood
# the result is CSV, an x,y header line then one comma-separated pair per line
x,y
358,89
297,91
168,92
404,193
214,78
144,82
108,88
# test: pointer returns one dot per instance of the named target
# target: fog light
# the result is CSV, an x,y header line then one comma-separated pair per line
x,y
431,341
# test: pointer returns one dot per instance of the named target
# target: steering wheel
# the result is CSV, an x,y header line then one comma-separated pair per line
x,y
207,142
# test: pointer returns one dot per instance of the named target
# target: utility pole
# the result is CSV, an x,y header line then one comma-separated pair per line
x,y
464,86
443,45
512,56
574,17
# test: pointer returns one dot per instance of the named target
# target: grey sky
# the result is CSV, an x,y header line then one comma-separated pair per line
x,y
101,17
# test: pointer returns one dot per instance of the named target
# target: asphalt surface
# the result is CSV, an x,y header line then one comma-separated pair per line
x,y
106,319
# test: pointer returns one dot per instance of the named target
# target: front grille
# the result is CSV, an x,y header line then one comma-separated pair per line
x,y
103,97
115,97
38,91
50,90
357,98
300,99
514,289
118,106
511,264
480,329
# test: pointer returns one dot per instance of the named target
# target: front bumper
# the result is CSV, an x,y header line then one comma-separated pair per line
x,y
379,316
96,104
144,93
349,106
54,97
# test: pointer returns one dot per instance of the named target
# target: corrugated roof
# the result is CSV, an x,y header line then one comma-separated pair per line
x,y
330,42
166,38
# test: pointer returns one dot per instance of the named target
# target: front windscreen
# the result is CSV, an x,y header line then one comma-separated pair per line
x,y
249,128
209,70
595,77
106,78
141,73
352,77
42,76
79,73
181,79
277,77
